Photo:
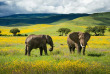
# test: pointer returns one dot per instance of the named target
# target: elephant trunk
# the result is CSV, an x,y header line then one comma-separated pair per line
x,y
83,47
49,41
83,50
51,44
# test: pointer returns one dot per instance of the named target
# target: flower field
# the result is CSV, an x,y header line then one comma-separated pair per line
x,y
25,29
44,67
59,61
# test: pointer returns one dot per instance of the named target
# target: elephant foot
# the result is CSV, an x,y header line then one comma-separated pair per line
x,y
28,54
46,54
83,53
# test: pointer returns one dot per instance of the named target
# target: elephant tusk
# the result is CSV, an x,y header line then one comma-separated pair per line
x,y
82,45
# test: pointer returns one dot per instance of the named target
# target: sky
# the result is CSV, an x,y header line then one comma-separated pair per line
x,y
9,7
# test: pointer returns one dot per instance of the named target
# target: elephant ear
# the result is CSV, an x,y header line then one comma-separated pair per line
x,y
87,36
74,37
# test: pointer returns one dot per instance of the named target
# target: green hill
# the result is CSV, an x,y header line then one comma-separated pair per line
x,y
92,20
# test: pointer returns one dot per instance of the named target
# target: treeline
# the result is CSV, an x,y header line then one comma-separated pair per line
x,y
97,30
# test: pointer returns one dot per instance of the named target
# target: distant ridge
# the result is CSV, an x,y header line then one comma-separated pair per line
x,y
39,18
29,15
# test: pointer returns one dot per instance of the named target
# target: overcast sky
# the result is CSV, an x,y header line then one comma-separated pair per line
x,y
9,7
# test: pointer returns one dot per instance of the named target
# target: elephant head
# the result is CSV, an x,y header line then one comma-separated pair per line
x,y
83,39
50,42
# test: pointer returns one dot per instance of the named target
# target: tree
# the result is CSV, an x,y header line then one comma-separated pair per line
x,y
88,29
14,31
63,31
109,29
60,31
0,33
95,30
67,31
101,30
98,30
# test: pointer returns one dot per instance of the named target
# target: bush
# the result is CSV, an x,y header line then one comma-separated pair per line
x,y
98,30
109,29
22,35
14,31
0,34
63,31
26,35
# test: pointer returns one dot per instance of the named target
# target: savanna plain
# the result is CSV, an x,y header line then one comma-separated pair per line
x,y
59,61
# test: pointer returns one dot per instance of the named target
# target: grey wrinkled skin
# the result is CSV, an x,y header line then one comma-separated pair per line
x,y
38,41
77,40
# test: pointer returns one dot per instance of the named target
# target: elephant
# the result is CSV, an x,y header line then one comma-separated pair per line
x,y
77,40
38,41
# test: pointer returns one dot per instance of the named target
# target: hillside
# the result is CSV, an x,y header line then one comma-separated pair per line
x,y
91,20
21,19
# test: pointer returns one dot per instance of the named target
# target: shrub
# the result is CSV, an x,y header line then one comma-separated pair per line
x,y
98,30
0,34
26,35
14,31
63,31
109,29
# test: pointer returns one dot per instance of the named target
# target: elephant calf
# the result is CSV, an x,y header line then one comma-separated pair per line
x,y
77,40
38,41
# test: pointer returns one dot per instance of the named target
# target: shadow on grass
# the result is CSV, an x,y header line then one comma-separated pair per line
x,y
95,54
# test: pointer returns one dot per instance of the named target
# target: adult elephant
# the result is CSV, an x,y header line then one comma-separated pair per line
x,y
38,41
77,40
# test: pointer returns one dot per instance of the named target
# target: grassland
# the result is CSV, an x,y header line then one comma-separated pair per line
x,y
13,60
60,61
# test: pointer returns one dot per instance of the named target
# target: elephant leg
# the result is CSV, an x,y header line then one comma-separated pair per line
x,y
83,51
73,48
45,49
41,50
70,48
79,49
26,50
29,50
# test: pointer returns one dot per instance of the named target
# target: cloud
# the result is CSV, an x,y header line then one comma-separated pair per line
x,y
8,7
2,3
